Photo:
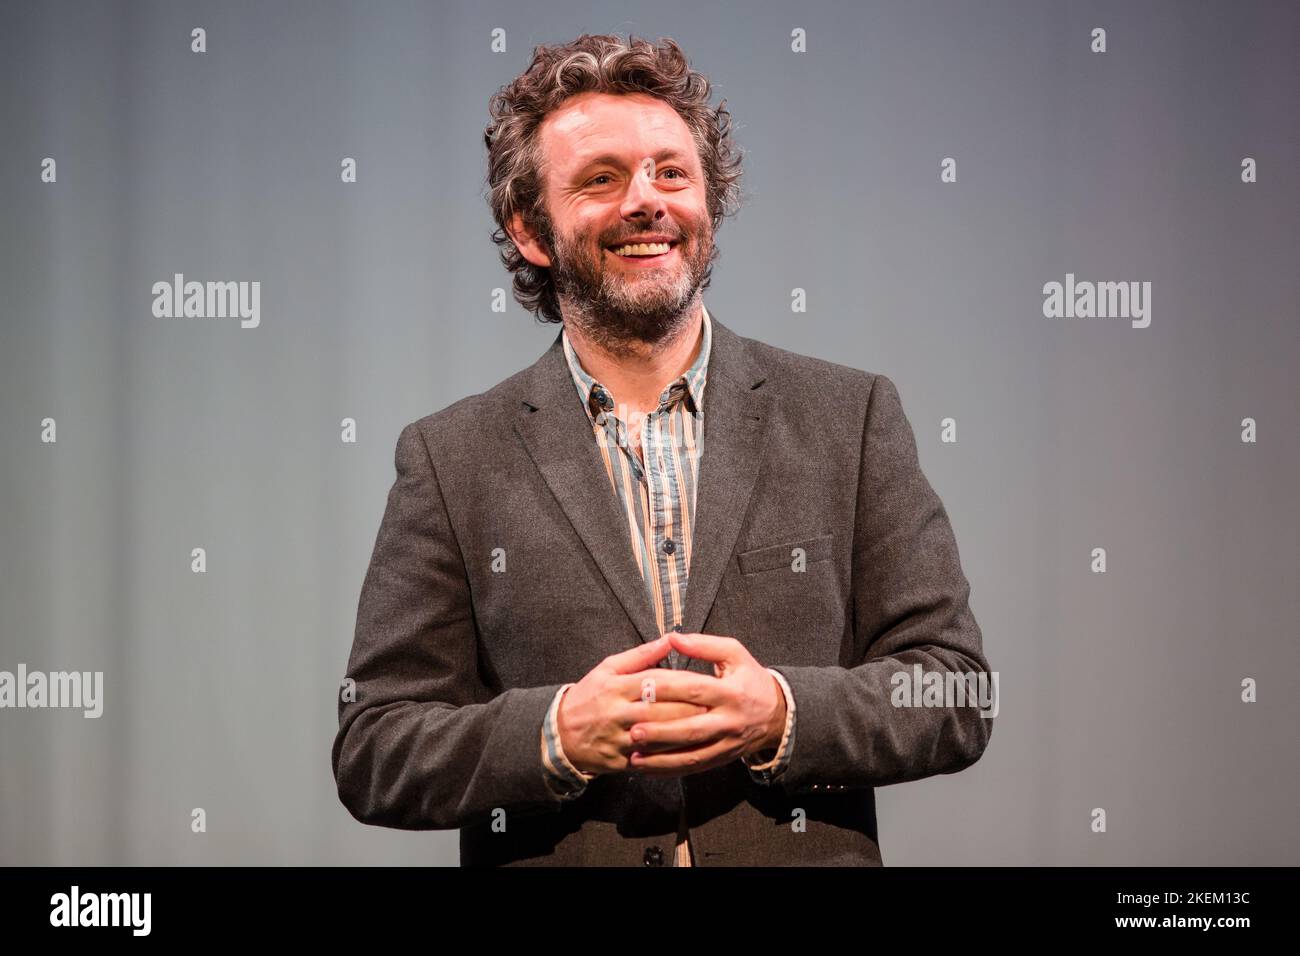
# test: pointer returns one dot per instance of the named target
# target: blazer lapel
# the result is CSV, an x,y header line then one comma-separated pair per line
x,y
737,415
557,434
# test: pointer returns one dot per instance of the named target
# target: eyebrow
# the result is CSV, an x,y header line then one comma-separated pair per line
x,y
612,160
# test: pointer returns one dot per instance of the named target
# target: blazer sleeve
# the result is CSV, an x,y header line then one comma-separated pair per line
x,y
909,606
425,744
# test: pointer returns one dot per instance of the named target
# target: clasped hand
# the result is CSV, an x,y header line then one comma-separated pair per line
x,y
629,714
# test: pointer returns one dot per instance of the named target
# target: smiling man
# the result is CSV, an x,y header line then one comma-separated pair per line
x,y
645,602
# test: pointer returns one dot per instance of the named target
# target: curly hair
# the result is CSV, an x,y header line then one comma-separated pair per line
x,y
602,64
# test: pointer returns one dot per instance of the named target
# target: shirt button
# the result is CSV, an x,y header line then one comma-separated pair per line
x,y
669,547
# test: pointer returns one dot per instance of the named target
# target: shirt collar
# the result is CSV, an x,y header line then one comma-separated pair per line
x,y
595,397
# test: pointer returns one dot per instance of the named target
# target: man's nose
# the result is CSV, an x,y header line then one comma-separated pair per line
x,y
642,196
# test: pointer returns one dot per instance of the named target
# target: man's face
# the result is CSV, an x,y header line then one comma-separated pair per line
x,y
617,170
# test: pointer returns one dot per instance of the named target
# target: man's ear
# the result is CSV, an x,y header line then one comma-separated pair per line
x,y
528,241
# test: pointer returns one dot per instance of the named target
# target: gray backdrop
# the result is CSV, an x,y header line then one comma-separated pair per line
x,y
1119,690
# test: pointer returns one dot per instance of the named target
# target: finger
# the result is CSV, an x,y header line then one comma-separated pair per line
x,y
640,711
674,763
681,734
639,658
709,647
663,684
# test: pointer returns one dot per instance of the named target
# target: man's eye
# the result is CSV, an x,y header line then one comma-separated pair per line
x,y
596,180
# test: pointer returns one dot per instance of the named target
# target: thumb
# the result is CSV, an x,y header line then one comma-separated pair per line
x,y
638,658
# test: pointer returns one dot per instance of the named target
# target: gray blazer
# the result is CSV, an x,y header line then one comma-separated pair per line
x,y
456,659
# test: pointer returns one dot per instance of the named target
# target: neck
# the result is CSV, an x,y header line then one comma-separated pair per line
x,y
638,374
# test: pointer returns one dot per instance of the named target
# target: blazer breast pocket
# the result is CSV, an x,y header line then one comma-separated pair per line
x,y
773,556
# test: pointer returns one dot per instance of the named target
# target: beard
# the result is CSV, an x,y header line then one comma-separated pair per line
x,y
626,311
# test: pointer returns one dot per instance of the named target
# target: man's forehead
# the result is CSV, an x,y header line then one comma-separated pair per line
x,y
593,123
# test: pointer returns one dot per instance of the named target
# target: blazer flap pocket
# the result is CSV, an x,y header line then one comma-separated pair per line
x,y
783,555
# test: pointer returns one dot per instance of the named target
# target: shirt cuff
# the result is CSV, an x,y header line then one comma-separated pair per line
x,y
766,772
564,779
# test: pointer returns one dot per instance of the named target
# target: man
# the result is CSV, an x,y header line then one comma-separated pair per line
x,y
655,490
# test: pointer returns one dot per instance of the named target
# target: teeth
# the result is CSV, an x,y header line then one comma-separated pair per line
x,y
643,249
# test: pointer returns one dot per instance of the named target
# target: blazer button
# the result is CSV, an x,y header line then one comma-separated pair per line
x,y
653,856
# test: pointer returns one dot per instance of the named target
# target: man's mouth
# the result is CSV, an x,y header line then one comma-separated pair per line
x,y
643,251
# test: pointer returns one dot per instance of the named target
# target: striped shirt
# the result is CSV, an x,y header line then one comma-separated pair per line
x,y
655,483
